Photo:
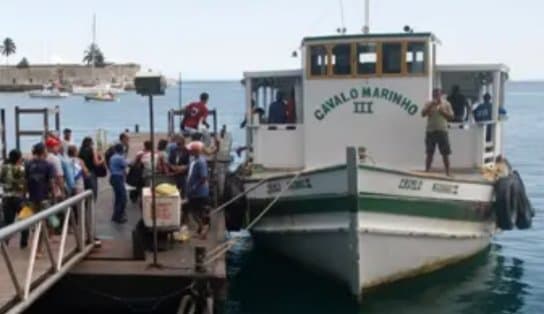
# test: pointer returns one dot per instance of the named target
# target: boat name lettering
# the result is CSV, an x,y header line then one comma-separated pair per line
x,y
303,183
362,107
410,184
445,188
355,95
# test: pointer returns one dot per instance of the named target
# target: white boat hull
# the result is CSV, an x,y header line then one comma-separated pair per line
x,y
92,90
373,238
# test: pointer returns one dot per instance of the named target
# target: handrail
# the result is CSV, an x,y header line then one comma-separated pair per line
x,y
28,289
19,226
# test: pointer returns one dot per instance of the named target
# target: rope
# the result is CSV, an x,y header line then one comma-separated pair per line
x,y
226,246
136,305
232,200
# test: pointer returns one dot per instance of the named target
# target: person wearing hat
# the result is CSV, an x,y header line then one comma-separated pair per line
x,y
53,146
198,190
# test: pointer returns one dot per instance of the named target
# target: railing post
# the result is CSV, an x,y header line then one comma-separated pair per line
x,y
82,222
57,119
64,234
11,270
17,129
3,121
45,123
32,260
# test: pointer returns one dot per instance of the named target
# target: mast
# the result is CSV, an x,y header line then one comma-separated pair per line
x,y
366,27
93,46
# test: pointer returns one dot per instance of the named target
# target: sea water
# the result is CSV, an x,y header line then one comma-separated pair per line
x,y
506,278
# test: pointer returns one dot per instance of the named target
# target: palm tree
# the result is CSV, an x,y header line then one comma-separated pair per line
x,y
8,48
94,54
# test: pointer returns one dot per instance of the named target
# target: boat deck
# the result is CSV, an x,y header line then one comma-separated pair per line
x,y
473,175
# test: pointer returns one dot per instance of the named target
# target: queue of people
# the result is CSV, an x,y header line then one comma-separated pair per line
x,y
58,169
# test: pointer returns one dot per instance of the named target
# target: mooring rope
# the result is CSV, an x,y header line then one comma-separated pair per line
x,y
224,247
232,200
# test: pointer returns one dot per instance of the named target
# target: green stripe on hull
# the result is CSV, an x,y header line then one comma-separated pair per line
x,y
453,210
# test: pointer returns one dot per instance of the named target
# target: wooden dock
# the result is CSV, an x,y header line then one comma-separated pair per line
x,y
112,272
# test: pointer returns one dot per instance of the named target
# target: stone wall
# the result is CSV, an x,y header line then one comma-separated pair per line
x,y
71,73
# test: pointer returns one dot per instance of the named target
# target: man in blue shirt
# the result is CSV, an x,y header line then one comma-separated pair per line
x,y
198,189
483,113
277,112
483,110
118,167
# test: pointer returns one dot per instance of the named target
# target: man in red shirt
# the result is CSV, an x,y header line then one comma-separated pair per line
x,y
195,113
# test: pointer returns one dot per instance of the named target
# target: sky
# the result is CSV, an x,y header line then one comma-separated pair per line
x,y
220,39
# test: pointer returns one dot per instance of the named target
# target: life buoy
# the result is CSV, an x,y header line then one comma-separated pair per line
x,y
525,211
505,207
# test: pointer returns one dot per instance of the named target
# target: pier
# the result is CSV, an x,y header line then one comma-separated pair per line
x,y
81,276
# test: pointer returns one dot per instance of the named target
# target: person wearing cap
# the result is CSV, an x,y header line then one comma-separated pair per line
x,y
53,146
198,190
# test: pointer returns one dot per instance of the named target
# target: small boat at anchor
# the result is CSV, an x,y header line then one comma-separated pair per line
x,y
101,97
48,93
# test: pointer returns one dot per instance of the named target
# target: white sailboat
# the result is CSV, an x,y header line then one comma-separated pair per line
x,y
353,200
95,89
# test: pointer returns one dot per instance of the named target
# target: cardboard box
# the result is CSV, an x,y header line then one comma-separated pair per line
x,y
168,211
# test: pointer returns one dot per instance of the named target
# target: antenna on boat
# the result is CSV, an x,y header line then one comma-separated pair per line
x,y
342,30
366,27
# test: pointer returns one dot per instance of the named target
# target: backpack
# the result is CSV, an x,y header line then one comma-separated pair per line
x,y
69,175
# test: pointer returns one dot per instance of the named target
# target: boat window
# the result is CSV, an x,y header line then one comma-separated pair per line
x,y
391,58
367,58
341,59
318,60
415,57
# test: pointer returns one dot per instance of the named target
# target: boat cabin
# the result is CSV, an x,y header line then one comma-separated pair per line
x,y
367,91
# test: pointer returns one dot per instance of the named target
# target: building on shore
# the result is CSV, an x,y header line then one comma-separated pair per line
x,y
13,78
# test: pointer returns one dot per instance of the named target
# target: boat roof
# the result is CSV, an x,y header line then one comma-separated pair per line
x,y
370,36
274,73
491,67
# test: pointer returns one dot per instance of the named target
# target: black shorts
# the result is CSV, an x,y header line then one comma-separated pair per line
x,y
440,138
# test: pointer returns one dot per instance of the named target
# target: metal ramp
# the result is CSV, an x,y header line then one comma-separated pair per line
x,y
24,274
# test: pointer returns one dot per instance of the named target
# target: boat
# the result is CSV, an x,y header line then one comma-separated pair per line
x,y
100,97
48,93
342,188
96,89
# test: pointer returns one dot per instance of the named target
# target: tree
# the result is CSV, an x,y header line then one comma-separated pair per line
x,y
23,64
8,48
93,53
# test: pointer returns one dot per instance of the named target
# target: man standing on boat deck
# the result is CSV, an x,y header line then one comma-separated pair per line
x,y
459,103
196,113
277,112
438,113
